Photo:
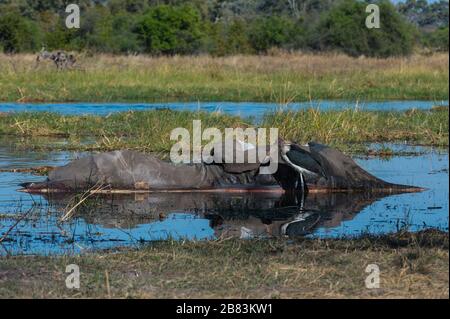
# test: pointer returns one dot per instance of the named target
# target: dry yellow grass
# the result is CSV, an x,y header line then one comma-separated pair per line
x,y
280,78
411,266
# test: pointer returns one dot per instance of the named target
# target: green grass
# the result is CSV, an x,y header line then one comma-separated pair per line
x,y
149,131
280,79
146,131
352,126
411,265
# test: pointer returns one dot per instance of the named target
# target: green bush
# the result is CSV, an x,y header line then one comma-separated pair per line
x,y
224,27
170,30
55,34
437,39
344,28
18,34
230,37
273,31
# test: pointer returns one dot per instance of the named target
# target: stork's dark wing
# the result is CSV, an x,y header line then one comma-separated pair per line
x,y
303,158
286,176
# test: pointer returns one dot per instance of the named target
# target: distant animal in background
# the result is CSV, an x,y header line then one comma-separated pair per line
x,y
64,60
43,55
61,59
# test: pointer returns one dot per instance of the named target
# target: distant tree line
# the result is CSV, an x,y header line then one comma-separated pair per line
x,y
223,27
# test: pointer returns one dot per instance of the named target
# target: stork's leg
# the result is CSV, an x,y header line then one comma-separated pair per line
x,y
302,202
302,182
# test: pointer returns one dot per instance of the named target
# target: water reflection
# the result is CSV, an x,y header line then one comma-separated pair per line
x,y
110,221
237,215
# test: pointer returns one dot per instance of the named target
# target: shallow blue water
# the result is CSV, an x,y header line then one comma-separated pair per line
x,y
416,211
140,219
244,109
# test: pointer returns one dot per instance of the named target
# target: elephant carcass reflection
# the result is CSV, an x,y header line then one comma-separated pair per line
x,y
246,215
